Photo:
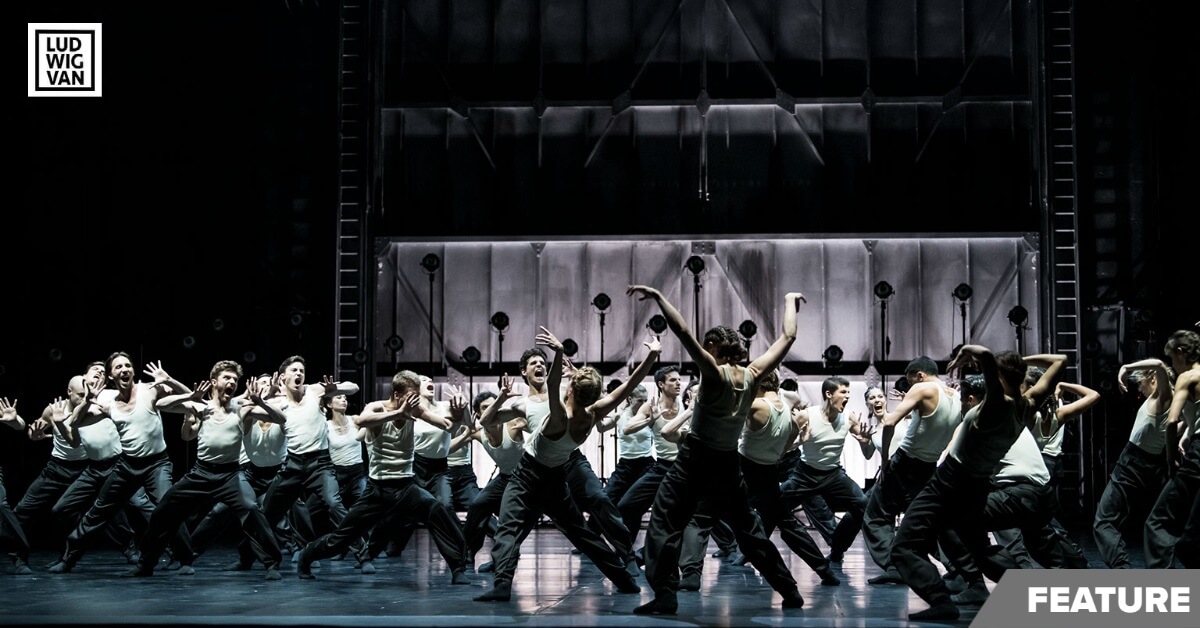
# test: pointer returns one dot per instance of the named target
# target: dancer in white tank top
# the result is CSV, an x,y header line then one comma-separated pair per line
x,y
1173,528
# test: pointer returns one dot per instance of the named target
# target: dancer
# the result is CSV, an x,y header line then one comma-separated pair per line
x,y
934,410
392,491
144,462
957,493
540,483
707,465
505,443
1173,527
635,446
1140,470
218,424
12,537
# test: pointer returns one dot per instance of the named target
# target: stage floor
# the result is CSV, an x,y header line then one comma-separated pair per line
x,y
552,588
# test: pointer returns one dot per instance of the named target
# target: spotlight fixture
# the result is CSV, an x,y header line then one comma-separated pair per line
x,y
361,356
962,292
189,342
657,324
218,324
602,302
884,290
394,343
832,355
1018,316
499,320
56,354
250,357
570,347
431,263
695,264
747,329
297,319
471,355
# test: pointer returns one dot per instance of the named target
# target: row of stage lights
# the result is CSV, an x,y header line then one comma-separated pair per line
x,y
1018,316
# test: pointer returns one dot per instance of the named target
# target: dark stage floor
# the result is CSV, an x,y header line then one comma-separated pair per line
x,y
552,588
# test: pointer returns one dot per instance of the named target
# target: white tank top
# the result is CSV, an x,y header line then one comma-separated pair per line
x,y
220,437
344,447
1050,445
980,448
718,423
507,455
927,436
894,446
551,453
306,430
1191,412
1022,463
101,439
391,452
765,446
141,429
461,457
535,413
823,449
637,444
664,450
430,441
64,451
264,447
1149,430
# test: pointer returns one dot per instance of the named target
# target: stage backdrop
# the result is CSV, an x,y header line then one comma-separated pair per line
x,y
553,283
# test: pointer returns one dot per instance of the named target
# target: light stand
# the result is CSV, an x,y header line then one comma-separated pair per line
x,y
431,263
695,264
884,292
471,357
1018,316
499,322
963,294
601,302
747,329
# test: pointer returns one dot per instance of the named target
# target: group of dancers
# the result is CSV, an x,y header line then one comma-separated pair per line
x,y
733,455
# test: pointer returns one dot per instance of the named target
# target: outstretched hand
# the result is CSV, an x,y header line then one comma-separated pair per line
x,y
548,339
654,346
796,298
642,292
156,373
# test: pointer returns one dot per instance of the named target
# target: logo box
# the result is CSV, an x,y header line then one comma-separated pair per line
x,y
65,60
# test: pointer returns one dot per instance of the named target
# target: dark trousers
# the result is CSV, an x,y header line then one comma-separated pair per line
x,y
1026,507
304,475
889,497
431,475
1173,527
82,494
1014,542
588,493
704,475
820,517
464,487
1136,475
535,489
951,499
640,497
389,500
837,489
480,514
205,484
12,537
151,473
351,481
627,471
218,519
45,491
762,488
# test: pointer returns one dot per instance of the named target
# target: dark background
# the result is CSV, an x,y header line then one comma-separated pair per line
x,y
201,187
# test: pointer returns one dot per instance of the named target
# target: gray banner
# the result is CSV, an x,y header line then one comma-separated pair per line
x,y
1142,598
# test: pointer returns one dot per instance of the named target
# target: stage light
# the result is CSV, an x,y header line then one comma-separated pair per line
x,y
431,263
394,343
499,320
695,264
56,354
657,324
297,319
250,357
361,356
218,324
963,292
570,347
1018,315
884,290
832,355
602,302
471,355
189,342
747,329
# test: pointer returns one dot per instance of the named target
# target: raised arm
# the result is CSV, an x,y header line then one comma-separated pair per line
x,y
622,392
257,408
912,398
465,434
556,422
161,382
773,356
674,430
987,363
644,416
330,388
704,361
497,415
375,414
9,416
190,401
1053,363
1162,379
1087,398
